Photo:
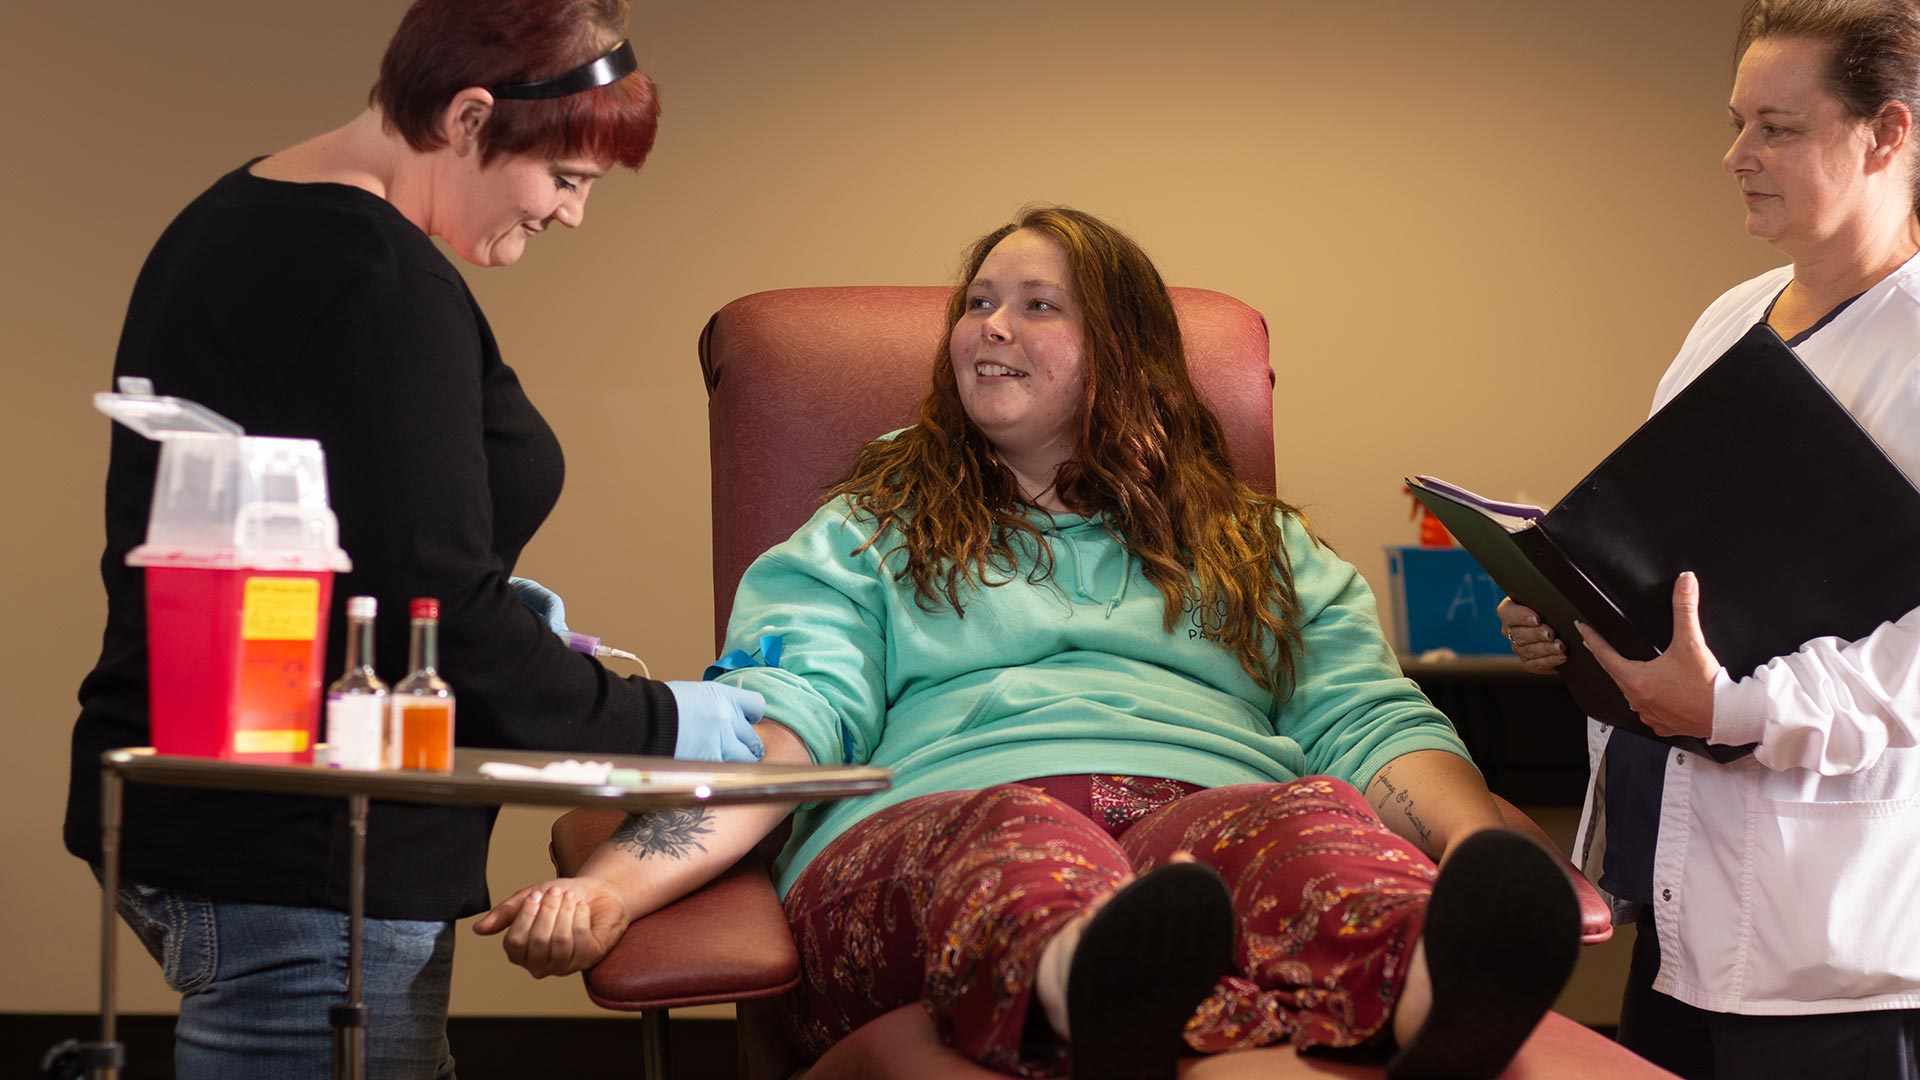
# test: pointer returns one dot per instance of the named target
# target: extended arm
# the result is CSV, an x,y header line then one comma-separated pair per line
x,y
1359,718
568,924
404,391
1434,799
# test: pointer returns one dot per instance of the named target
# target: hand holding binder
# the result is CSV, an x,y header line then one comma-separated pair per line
x,y
1672,694
1755,478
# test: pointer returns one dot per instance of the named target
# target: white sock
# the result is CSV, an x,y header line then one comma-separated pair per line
x,y
1050,978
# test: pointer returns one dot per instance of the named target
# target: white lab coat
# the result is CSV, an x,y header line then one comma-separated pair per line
x,y
1788,882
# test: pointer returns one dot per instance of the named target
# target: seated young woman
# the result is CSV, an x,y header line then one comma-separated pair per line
x,y
1131,705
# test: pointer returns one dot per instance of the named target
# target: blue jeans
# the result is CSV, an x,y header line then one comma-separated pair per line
x,y
256,982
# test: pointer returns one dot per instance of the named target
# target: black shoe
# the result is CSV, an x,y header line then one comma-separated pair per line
x,y
1502,932
1144,963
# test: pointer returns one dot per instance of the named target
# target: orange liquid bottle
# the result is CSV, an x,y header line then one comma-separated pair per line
x,y
420,729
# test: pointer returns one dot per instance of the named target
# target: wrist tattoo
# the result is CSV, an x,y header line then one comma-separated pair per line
x,y
669,834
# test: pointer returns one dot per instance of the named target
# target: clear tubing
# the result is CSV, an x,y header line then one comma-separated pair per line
x,y
590,645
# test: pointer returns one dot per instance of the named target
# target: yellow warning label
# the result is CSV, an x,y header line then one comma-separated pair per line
x,y
280,609
270,742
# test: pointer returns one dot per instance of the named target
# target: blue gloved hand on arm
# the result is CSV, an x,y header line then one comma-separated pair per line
x,y
545,603
716,722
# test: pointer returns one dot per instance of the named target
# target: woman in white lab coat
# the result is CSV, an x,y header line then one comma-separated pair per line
x,y
1774,894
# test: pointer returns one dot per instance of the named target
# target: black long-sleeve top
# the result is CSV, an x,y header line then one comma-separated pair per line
x,y
318,311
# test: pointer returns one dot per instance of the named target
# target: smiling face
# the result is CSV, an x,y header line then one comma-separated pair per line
x,y
1800,158
495,208
1018,354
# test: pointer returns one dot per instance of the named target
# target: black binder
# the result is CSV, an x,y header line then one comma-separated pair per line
x,y
1754,477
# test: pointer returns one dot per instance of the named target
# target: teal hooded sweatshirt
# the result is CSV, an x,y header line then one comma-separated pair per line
x,y
1073,675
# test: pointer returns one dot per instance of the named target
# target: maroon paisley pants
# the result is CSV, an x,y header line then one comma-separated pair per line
x,y
949,899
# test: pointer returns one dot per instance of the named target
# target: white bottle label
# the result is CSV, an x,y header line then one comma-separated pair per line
x,y
356,726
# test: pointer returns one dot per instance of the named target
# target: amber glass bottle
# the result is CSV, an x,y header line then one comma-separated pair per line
x,y
420,731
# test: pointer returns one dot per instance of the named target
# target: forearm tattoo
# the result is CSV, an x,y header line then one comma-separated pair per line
x,y
668,834
1402,800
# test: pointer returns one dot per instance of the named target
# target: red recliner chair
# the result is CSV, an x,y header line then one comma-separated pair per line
x,y
797,380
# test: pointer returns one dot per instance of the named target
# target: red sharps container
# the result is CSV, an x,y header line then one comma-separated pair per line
x,y
240,556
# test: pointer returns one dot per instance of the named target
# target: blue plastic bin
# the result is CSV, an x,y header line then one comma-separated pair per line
x,y
1442,599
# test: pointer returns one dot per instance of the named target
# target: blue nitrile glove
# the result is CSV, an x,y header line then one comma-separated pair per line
x,y
544,601
716,722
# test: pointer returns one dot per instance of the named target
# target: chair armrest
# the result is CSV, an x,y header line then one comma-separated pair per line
x,y
576,834
1596,917
727,941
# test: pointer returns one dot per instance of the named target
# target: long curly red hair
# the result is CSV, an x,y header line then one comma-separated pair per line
x,y
1150,457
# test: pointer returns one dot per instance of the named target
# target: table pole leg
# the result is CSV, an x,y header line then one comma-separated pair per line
x,y
350,1020
103,1059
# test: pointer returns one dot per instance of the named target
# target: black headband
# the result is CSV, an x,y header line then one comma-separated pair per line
x,y
616,64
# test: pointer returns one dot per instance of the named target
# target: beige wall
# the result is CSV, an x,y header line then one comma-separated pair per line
x,y
1478,231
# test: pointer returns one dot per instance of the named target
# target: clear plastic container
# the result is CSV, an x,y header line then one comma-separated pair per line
x,y
225,499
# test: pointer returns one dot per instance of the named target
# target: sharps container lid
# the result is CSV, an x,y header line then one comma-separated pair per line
x,y
222,500
158,417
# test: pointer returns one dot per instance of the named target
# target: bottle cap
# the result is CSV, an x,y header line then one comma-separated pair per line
x,y
425,607
362,607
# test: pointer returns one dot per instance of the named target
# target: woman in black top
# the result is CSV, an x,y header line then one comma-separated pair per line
x,y
302,296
